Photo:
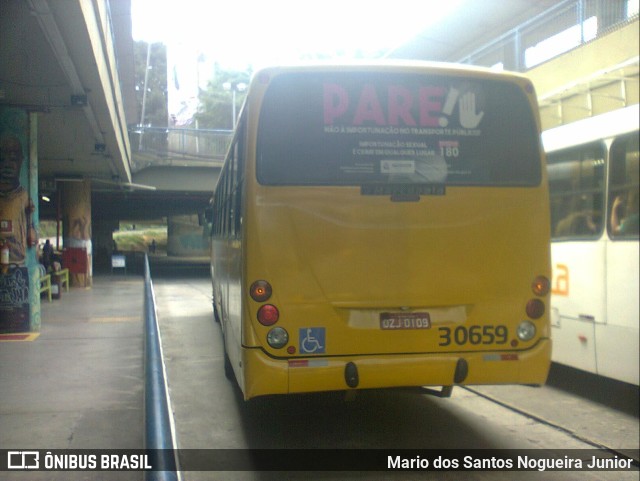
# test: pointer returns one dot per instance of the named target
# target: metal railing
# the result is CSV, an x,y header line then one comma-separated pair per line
x,y
159,441
565,26
152,145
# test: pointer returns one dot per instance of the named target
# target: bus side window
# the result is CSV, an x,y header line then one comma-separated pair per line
x,y
576,183
239,178
217,213
623,189
233,174
206,218
224,186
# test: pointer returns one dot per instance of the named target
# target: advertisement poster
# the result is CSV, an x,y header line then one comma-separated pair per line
x,y
396,133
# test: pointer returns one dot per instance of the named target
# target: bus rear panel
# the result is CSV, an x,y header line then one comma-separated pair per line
x,y
394,232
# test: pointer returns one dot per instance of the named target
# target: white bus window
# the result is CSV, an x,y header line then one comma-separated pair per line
x,y
576,185
623,190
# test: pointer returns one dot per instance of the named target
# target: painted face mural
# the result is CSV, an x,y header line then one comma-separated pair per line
x,y
19,289
14,199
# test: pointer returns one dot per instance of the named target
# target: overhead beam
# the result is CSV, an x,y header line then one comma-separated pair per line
x,y
99,29
109,129
40,9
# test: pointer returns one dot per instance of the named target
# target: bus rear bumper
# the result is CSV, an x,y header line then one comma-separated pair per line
x,y
266,375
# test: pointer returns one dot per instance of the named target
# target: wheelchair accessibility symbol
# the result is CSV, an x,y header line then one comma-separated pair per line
x,y
312,340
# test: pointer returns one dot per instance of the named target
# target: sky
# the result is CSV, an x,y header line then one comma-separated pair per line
x,y
262,32
258,33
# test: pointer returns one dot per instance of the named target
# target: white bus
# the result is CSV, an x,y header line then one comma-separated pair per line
x,y
593,183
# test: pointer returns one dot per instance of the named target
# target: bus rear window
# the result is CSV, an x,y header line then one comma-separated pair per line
x,y
345,128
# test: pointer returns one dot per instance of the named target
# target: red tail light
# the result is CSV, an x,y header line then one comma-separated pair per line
x,y
268,315
260,291
535,308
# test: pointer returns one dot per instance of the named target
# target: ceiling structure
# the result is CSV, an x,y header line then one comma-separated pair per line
x,y
473,24
58,59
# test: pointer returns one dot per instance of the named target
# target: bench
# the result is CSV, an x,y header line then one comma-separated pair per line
x,y
45,282
63,274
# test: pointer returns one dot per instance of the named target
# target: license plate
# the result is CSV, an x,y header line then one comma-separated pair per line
x,y
405,320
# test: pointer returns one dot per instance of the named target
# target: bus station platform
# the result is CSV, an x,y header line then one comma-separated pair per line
x,y
78,383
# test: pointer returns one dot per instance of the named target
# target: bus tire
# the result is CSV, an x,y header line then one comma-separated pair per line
x,y
216,317
228,369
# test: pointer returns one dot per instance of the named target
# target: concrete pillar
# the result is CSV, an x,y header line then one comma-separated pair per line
x,y
19,270
76,232
32,255
186,237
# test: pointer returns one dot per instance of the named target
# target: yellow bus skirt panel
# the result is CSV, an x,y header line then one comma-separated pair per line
x,y
273,376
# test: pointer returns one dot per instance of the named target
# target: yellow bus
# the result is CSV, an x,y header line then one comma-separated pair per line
x,y
383,226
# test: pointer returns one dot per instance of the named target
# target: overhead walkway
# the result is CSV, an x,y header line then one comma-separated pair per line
x,y
176,159
178,146
581,55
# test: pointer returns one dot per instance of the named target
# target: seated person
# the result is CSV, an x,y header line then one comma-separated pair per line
x,y
624,216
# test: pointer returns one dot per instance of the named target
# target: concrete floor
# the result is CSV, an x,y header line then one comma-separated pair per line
x,y
79,384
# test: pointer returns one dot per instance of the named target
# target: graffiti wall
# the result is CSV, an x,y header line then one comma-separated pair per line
x,y
19,274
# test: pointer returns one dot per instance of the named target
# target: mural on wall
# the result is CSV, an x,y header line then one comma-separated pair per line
x,y
17,232
14,204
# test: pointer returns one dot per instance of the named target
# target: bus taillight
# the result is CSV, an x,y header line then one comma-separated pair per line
x,y
535,308
541,286
268,315
260,291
